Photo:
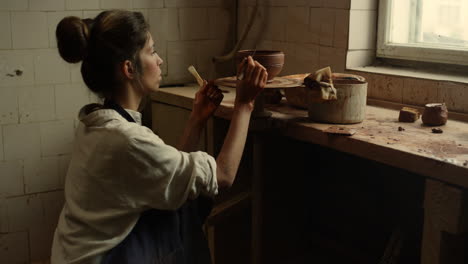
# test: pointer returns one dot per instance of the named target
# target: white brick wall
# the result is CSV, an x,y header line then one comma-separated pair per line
x,y
40,96
81,4
220,23
17,68
13,4
50,68
8,106
47,5
53,18
3,216
24,212
14,247
327,26
41,174
64,161
164,24
116,4
148,3
69,99
36,103
194,23
5,30
11,178
297,28
21,141
29,30
57,137
180,55
1,143
362,29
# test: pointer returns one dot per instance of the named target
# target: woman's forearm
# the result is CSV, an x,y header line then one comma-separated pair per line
x,y
231,152
191,136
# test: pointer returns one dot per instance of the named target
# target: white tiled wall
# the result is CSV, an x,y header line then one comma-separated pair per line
x,y
340,34
29,30
11,182
21,141
13,62
5,30
46,5
53,18
50,68
194,16
14,5
36,103
8,106
81,4
40,96
311,33
14,247
41,175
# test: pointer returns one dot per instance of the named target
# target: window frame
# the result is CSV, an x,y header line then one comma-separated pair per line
x,y
413,52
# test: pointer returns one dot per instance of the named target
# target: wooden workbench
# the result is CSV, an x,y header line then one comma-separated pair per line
x,y
441,158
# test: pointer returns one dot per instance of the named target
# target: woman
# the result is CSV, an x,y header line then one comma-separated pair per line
x,y
130,198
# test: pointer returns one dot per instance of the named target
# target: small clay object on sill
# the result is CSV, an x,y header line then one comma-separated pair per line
x,y
408,114
336,130
437,131
401,129
435,114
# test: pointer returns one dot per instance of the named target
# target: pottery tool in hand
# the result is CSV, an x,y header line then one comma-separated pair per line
x,y
195,74
243,67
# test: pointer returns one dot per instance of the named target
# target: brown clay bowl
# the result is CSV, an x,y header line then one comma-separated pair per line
x,y
272,60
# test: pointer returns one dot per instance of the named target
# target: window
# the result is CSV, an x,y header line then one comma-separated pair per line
x,y
424,30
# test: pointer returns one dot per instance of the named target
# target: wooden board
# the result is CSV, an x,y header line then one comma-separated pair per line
x,y
277,82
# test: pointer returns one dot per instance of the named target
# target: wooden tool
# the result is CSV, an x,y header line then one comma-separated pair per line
x,y
195,74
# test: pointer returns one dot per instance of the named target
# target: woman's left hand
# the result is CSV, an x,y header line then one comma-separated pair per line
x,y
207,100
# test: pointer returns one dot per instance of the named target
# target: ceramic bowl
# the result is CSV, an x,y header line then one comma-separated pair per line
x,y
272,60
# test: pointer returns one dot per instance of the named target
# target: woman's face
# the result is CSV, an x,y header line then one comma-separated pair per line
x,y
151,67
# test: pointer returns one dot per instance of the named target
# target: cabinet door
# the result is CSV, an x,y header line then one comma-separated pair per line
x,y
169,123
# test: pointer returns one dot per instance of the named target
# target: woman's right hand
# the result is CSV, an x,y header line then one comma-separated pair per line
x,y
252,83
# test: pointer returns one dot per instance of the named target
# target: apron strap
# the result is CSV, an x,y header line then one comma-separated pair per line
x,y
113,105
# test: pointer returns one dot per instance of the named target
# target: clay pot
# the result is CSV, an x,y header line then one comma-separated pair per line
x,y
350,106
435,114
272,60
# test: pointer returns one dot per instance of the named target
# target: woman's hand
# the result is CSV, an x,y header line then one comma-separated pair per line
x,y
253,81
207,100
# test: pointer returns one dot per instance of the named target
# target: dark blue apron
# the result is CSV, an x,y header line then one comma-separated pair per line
x,y
164,237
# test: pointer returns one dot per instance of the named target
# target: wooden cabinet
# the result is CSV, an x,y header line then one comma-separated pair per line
x,y
303,193
228,228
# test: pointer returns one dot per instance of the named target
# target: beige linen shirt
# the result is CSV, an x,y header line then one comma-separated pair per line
x,y
119,169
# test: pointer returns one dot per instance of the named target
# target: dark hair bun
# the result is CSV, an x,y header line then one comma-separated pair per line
x,y
72,38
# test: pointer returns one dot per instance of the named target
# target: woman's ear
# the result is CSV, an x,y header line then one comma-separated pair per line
x,y
128,70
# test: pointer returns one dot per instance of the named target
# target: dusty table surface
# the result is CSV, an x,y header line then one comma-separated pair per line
x,y
440,156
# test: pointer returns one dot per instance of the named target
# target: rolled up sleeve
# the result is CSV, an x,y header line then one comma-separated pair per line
x,y
159,176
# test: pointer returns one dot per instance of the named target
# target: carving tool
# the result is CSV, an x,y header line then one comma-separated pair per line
x,y
195,74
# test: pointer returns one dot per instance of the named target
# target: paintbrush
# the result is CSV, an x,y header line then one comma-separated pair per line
x,y
241,75
195,74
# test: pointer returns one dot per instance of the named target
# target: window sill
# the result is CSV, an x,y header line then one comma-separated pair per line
x,y
413,73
